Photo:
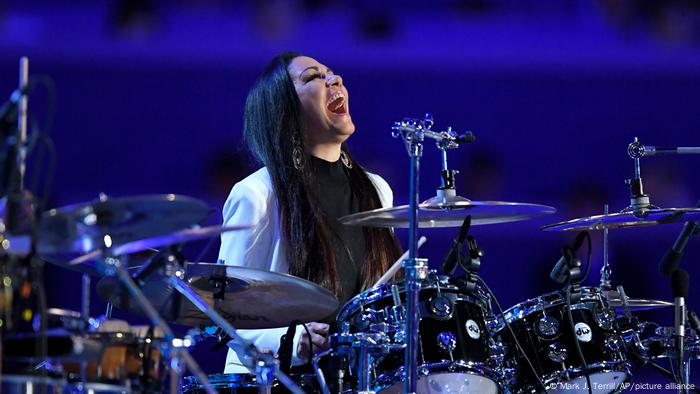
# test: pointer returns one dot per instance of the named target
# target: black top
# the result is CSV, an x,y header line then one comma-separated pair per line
x,y
348,242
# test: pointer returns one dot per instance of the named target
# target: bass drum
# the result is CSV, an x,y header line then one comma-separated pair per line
x,y
542,328
456,351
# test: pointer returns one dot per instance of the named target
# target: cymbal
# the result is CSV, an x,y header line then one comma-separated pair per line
x,y
635,304
72,231
178,237
253,298
648,217
439,212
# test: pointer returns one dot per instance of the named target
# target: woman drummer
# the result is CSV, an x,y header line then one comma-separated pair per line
x,y
297,119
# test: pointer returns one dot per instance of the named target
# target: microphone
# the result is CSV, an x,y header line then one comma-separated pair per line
x,y
560,272
673,256
449,264
679,289
286,348
466,138
694,321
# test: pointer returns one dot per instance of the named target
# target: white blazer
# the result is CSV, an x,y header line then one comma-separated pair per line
x,y
252,201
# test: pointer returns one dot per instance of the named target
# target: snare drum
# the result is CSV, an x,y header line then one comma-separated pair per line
x,y
455,346
542,327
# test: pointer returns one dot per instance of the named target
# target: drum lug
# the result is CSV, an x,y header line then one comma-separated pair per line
x,y
447,341
612,344
557,352
604,316
441,307
547,327
497,351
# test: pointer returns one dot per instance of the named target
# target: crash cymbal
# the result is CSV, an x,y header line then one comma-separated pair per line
x,y
635,304
76,230
437,212
253,298
648,217
176,238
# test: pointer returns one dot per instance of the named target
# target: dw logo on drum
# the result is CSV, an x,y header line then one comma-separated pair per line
x,y
583,332
473,329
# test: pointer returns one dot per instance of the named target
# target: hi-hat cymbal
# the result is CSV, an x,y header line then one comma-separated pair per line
x,y
437,212
645,217
253,298
634,304
72,231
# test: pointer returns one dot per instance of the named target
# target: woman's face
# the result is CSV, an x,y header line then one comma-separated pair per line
x,y
324,101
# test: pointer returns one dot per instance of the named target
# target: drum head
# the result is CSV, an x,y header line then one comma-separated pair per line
x,y
462,383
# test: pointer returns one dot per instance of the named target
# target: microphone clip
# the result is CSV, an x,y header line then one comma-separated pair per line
x,y
471,263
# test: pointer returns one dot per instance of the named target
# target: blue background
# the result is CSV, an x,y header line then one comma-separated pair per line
x,y
151,102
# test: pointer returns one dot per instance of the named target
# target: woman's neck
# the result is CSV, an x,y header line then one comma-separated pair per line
x,y
327,152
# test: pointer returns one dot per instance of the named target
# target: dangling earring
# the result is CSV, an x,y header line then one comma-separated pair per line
x,y
346,160
296,157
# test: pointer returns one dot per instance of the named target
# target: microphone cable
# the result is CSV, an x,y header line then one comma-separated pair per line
x,y
570,315
584,366
588,256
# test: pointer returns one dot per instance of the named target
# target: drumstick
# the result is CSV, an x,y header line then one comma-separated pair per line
x,y
394,268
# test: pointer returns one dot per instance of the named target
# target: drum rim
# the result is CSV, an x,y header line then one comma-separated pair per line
x,y
577,372
241,380
542,302
383,291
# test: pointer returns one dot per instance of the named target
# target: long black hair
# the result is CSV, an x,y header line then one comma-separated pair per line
x,y
274,126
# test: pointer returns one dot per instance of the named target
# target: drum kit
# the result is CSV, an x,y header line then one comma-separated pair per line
x,y
434,331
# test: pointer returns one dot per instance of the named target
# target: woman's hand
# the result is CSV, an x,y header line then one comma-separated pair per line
x,y
319,339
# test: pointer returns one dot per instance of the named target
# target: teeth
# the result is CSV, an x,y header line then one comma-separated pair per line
x,y
334,97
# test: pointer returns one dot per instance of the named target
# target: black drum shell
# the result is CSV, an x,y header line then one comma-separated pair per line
x,y
602,347
472,351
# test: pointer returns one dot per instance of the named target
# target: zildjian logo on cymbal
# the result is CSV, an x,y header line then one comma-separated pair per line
x,y
242,316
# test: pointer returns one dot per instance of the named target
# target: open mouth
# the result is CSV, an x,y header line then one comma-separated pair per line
x,y
336,103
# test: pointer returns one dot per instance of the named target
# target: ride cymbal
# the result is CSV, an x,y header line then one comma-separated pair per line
x,y
437,212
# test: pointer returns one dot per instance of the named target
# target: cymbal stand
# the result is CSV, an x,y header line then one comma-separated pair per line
x,y
85,315
446,192
605,270
365,346
113,265
413,132
264,364
639,202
